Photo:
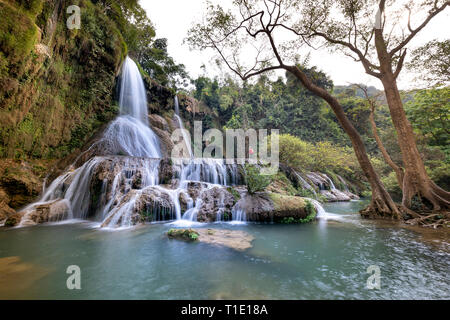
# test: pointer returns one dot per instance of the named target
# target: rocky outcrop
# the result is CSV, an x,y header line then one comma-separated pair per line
x,y
53,211
215,201
234,239
272,207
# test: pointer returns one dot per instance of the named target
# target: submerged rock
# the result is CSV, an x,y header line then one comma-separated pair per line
x,y
183,234
234,239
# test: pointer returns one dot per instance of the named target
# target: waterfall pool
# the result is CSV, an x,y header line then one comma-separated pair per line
x,y
326,259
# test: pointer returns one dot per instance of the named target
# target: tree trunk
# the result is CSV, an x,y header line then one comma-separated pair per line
x,y
381,203
415,180
398,170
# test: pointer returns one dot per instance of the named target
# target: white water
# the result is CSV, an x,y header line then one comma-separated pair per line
x,y
133,98
184,132
322,214
177,105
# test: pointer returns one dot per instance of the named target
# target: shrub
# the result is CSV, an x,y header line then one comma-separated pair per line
x,y
254,180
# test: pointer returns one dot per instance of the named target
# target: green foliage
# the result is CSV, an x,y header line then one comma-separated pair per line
x,y
183,234
310,210
280,104
432,62
234,193
254,180
429,113
321,156
17,37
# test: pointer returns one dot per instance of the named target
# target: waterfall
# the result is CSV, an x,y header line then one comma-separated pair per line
x,y
318,206
177,105
121,187
130,133
185,133
305,184
238,216
133,98
332,187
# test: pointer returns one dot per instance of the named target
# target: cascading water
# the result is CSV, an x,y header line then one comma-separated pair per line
x,y
184,132
177,105
130,133
121,187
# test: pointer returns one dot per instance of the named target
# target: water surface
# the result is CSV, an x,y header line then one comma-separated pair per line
x,y
327,259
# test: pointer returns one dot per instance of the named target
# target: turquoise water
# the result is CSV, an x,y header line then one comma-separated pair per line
x,y
327,259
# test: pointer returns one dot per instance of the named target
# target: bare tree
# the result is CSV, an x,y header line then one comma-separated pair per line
x,y
248,32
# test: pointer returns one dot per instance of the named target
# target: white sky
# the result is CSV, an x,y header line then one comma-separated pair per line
x,y
173,18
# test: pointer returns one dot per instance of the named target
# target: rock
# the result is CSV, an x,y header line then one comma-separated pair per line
x,y
13,220
19,182
5,209
159,122
272,207
215,200
166,171
166,143
183,234
138,206
53,211
234,239
335,195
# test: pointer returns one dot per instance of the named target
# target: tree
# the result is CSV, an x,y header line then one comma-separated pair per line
x,y
429,112
399,172
382,49
434,57
252,28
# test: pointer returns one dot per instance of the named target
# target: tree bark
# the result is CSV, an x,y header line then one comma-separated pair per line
x,y
381,203
398,170
415,181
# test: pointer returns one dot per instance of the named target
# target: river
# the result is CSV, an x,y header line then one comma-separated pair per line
x,y
326,259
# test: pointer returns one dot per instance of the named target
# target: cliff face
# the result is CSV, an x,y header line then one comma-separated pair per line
x,y
56,88
56,84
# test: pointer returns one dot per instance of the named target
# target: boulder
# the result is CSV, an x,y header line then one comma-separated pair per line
x,y
215,200
272,207
166,143
53,211
159,122
13,219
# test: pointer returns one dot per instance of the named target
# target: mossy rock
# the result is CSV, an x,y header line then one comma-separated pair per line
x,y
286,203
183,234
13,220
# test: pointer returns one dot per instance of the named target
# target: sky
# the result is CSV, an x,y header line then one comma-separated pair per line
x,y
173,18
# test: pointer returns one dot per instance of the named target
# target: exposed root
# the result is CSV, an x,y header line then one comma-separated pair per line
x,y
429,219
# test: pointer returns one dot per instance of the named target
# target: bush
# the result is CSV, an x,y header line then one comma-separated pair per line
x,y
254,180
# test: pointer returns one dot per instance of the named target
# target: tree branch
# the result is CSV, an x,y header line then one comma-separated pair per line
x,y
413,33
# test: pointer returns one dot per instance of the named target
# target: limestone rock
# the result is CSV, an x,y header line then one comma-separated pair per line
x,y
272,207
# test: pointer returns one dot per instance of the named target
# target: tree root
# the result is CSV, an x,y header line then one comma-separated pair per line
x,y
431,219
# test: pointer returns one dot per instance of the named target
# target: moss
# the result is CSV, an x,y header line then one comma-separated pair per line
x,y
17,33
281,184
310,210
75,88
236,195
183,234
286,203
